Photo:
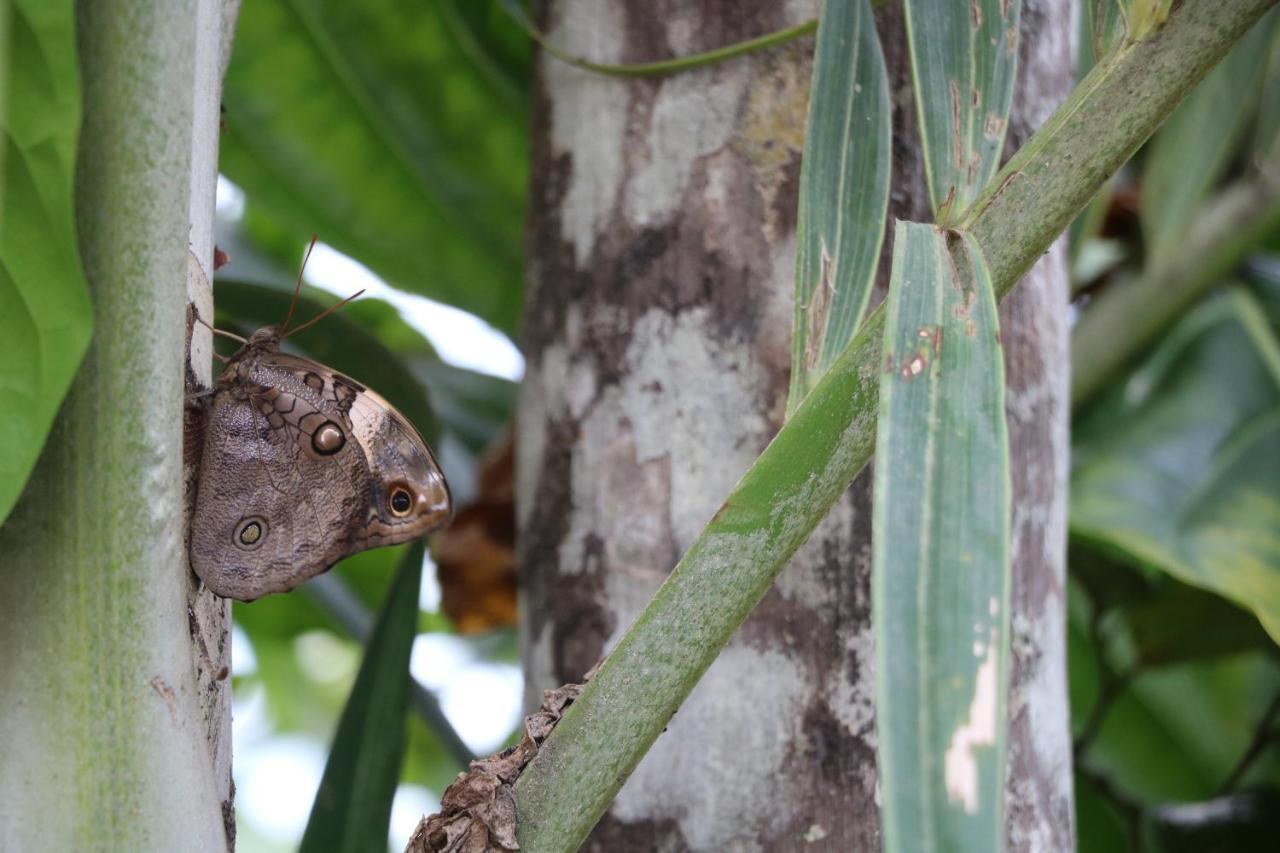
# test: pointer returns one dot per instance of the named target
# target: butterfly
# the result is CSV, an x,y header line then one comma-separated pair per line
x,y
301,466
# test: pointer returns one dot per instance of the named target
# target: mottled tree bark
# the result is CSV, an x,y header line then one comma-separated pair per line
x,y
657,336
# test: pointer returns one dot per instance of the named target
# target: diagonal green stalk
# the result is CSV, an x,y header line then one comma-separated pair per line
x,y
829,439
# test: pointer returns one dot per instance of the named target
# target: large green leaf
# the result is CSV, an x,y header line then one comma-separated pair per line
x,y
353,806
844,191
1196,145
963,59
940,550
45,314
370,124
1179,466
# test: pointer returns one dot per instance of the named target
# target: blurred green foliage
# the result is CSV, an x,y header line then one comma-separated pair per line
x,y
1175,507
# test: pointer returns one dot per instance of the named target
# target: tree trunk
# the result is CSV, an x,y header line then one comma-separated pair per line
x,y
114,696
657,333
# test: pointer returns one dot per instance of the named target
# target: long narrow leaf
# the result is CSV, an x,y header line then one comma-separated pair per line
x,y
353,806
45,315
844,191
940,550
963,59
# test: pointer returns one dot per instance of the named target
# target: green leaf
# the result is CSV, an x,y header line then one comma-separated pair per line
x,y
45,313
370,125
1179,466
940,550
1170,628
844,191
963,59
353,806
1192,151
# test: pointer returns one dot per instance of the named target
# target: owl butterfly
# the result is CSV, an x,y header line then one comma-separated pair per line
x,y
301,467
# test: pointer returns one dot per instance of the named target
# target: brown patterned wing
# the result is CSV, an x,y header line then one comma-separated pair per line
x,y
301,467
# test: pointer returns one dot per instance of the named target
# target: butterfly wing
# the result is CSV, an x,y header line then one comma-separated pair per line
x,y
301,467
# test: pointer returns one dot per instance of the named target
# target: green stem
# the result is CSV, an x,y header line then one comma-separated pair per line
x,y
102,716
1130,315
812,460
663,66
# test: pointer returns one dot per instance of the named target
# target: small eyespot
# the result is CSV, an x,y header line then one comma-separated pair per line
x,y
327,439
250,533
401,501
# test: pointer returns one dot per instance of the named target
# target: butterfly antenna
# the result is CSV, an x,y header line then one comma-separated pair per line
x,y
297,286
224,334
321,315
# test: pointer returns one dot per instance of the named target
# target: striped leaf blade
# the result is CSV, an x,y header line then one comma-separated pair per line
x,y
963,59
940,550
844,191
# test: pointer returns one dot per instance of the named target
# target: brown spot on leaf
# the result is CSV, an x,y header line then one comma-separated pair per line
x,y
818,309
975,12
934,335
993,126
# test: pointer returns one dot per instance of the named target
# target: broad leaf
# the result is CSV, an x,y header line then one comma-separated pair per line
x,y
353,806
940,550
1179,466
963,59
844,191
1196,145
45,313
370,125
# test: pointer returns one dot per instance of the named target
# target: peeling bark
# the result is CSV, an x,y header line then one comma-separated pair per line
x,y
657,334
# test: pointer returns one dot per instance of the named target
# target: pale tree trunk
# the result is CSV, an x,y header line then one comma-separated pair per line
x,y
114,695
657,336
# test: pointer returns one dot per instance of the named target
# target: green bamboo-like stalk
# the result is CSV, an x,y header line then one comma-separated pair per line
x,y
828,440
100,714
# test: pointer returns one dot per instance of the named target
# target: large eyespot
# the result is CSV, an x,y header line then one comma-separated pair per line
x,y
250,533
328,439
400,500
